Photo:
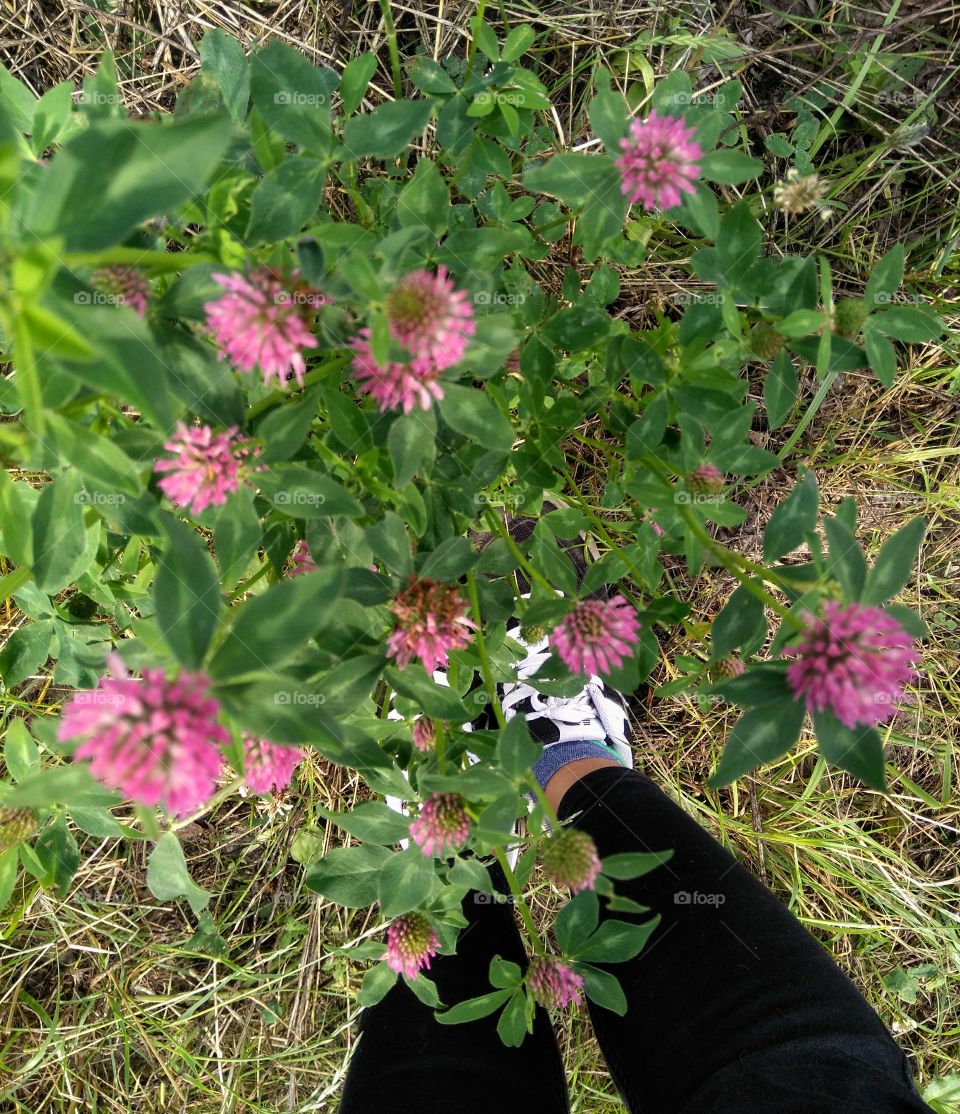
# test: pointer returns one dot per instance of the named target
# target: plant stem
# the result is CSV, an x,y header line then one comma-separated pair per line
x,y
808,416
488,682
602,446
392,46
733,562
739,567
494,520
247,584
472,49
600,528
541,796
155,261
484,658
279,397
440,747
10,582
525,914
28,376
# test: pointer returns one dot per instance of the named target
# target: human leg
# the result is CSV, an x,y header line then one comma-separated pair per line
x,y
732,1005
406,1060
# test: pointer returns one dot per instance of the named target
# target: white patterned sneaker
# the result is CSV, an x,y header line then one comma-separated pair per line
x,y
596,714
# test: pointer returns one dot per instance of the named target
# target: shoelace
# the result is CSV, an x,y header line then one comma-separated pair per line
x,y
577,709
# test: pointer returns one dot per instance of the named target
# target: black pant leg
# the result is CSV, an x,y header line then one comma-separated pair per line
x,y
733,1006
406,1061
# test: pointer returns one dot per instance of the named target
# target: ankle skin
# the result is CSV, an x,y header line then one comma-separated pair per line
x,y
561,781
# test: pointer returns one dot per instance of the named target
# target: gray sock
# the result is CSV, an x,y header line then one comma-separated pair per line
x,y
557,755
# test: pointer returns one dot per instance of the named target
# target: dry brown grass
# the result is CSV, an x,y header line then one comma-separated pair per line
x,y
101,1006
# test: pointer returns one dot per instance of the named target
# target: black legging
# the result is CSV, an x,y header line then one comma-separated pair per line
x,y
733,1008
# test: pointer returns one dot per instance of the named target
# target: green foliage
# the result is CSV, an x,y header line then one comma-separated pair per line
x,y
187,595
943,1095
168,876
894,563
577,921
759,736
387,130
274,626
474,1008
223,60
157,168
858,750
615,941
792,519
377,982
270,162
406,882
54,857
349,875
741,624
604,989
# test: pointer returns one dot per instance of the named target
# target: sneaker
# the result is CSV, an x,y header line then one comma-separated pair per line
x,y
596,714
